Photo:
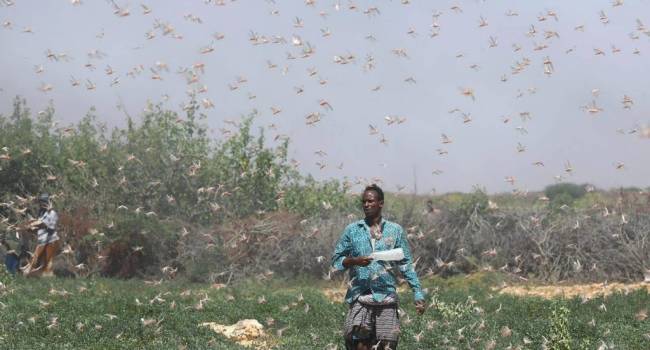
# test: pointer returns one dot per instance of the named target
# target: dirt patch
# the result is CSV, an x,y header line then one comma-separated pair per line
x,y
336,295
588,291
249,333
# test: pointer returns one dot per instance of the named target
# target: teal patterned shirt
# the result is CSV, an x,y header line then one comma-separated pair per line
x,y
379,276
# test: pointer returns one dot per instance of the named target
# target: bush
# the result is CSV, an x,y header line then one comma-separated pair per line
x,y
5,278
560,338
212,208
159,169
475,203
562,202
311,198
571,190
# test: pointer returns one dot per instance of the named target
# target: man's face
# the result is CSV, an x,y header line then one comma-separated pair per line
x,y
371,203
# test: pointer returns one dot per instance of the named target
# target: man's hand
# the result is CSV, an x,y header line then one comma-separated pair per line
x,y
420,306
35,224
26,227
357,261
363,260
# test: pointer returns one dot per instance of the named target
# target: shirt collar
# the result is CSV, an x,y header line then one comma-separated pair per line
x,y
362,223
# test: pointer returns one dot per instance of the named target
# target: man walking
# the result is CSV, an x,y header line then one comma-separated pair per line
x,y
372,321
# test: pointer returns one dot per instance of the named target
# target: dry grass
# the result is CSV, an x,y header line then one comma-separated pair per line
x,y
585,291
335,295
567,291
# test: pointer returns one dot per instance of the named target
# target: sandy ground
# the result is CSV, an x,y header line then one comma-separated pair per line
x,y
576,290
335,295
588,291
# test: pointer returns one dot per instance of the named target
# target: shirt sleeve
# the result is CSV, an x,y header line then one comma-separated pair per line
x,y
342,250
406,266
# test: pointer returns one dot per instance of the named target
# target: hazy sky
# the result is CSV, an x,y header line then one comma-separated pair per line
x,y
368,60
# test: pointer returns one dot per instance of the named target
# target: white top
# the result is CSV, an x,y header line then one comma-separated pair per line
x,y
49,218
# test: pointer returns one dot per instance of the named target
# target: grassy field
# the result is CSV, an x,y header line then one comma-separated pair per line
x,y
468,314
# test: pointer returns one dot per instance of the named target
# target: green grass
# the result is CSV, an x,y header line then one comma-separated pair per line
x,y
469,315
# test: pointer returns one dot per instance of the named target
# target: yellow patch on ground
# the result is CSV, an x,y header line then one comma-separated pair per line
x,y
336,295
245,332
578,290
218,286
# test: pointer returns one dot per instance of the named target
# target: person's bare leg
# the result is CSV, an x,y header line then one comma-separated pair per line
x,y
34,262
38,252
51,251
364,345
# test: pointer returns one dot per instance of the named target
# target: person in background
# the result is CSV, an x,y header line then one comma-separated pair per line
x,y
10,256
372,321
48,243
14,256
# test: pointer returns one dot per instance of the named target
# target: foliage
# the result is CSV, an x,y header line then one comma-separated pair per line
x,y
5,278
313,198
115,314
563,195
563,202
452,310
160,173
560,338
572,190
475,203
463,206
590,200
161,195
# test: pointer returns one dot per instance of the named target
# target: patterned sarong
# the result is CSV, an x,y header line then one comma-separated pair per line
x,y
372,321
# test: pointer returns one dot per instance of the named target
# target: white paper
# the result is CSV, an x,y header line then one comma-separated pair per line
x,y
396,254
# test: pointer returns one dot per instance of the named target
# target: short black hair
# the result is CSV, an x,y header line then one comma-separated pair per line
x,y
374,187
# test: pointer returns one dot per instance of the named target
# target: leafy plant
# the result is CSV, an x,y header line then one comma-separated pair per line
x,y
560,337
574,191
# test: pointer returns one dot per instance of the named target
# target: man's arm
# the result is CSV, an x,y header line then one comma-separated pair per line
x,y
357,261
341,258
341,251
406,267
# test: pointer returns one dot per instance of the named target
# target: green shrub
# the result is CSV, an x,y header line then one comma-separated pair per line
x,y
590,200
309,197
561,201
568,189
475,203
560,338
161,167
5,278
